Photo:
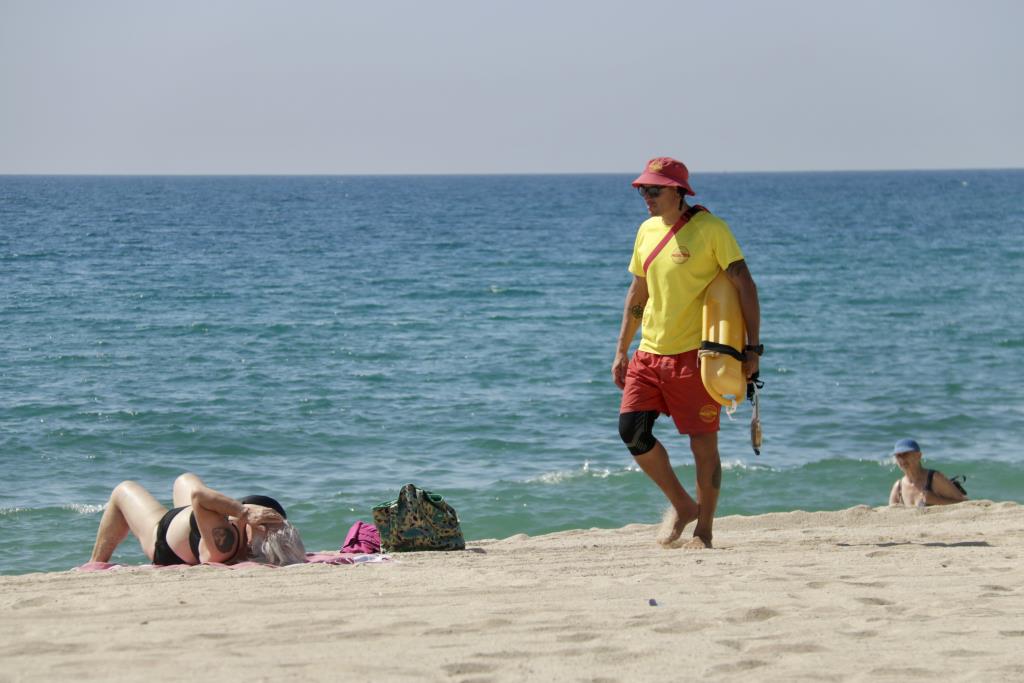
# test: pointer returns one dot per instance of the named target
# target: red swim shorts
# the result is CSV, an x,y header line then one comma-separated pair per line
x,y
670,385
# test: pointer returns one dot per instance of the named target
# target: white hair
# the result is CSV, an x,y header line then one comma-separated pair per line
x,y
280,546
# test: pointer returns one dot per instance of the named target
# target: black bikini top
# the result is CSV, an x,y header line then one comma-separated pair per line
x,y
193,535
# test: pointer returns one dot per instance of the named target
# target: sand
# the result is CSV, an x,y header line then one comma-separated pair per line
x,y
864,594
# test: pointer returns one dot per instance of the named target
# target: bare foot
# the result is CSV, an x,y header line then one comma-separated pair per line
x,y
672,526
697,543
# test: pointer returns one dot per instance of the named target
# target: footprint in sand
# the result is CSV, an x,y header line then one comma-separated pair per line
x,y
31,602
39,648
688,626
967,653
905,672
860,634
505,654
795,648
867,584
875,601
741,665
463,668
754,615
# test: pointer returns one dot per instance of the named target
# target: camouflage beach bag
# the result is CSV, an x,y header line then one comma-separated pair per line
x,y
418,520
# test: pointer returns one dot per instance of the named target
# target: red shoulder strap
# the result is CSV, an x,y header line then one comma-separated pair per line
x,y
683,220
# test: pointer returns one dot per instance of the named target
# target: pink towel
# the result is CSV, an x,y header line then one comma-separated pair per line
x,y
361,538
323,557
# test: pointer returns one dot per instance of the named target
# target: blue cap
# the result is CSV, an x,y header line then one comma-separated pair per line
x,y
905,446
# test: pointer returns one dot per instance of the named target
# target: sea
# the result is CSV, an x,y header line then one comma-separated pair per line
x,y
328,339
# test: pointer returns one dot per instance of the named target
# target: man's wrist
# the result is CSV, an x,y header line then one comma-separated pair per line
x,y
755,348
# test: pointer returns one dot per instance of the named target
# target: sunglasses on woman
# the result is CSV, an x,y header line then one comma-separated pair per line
x,y
651,191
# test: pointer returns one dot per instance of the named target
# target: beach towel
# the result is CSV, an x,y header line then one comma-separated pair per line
x,y
361,538
324,557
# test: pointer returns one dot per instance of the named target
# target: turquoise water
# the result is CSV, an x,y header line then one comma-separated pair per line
x,y
328,339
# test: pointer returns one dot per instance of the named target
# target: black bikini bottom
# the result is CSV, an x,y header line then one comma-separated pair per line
x,y
162,553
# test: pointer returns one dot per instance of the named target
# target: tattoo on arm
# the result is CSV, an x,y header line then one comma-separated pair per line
x,y
716,478
224,538
637,311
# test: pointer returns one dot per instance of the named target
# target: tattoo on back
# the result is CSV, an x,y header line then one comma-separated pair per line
x,y
716,478
637,310
224,538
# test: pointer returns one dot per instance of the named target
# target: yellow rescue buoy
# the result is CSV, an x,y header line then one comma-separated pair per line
x,y
724,332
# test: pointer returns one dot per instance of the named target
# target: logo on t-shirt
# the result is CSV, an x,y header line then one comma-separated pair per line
x,y
680,255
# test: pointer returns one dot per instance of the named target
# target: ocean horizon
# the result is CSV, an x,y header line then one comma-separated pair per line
x,y
490,174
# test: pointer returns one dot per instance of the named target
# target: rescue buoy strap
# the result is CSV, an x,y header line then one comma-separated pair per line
x,y
723,348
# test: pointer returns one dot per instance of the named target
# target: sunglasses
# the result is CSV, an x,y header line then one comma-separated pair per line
x,y
651,191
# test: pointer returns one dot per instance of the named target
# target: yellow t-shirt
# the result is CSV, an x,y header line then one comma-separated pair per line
x,y
677,278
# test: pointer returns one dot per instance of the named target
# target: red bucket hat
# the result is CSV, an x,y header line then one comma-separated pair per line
x,y
665,171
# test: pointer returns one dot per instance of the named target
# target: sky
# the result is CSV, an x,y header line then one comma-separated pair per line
x,y
520,86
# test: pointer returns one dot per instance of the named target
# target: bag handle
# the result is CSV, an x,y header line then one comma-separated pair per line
x,y
683,220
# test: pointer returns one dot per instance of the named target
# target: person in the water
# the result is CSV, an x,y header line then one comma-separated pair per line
x,y
920,487
204,526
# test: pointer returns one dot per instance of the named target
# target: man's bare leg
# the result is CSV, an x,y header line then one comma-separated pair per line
x,y
709,482
130,508
656,465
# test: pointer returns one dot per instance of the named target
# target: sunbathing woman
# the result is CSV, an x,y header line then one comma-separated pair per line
x,y
204,526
